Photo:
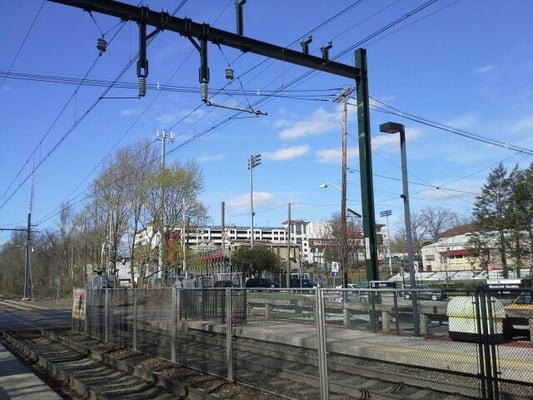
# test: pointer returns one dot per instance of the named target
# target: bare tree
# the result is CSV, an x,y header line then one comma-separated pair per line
x,y
437,220
419,232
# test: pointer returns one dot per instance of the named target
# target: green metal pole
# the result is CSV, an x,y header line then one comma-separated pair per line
x,y
365,166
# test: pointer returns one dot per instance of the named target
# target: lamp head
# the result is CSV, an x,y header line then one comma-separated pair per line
x,y
352,212
391,127
324,185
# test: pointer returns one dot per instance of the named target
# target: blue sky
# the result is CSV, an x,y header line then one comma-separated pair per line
x,y
464,63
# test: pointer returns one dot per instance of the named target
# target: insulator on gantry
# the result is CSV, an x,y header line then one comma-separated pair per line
x,y
142,86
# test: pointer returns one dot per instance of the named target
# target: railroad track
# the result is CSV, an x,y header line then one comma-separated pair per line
x,y
116,373
293,371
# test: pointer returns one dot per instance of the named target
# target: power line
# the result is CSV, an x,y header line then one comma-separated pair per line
x,y
24,40
152,101
461,132
84,115
226,120
419,183
54,122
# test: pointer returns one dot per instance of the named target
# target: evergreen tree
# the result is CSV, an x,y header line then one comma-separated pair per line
x,y
491,209
520,217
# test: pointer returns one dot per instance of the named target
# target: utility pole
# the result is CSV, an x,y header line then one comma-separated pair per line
x,y
223,225
109,240
253,161
289,223
28,284
223,232
184,235
27,264
345,94
387,214
163,136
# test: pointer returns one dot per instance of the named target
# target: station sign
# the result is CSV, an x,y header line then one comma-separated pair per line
x,y
382,285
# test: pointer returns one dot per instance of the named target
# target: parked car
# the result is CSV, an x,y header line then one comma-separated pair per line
x,y
349,286
261,283
426,292
224,284
306,283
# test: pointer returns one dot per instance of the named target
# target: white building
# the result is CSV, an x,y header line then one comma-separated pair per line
x,y
454,253
303,234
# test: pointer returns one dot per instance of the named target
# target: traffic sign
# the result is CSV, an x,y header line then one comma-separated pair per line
x,y
334,266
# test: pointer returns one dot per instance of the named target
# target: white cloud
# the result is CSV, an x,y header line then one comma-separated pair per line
x,y
128,112
166,118
205,157
381,142
318,123
334,155
242,202
484,69
287,153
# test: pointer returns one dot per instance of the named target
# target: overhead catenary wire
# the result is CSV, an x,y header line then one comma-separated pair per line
x,y
82,117
388,109
68,200
24,40
219,90
226,120
54,212
54,122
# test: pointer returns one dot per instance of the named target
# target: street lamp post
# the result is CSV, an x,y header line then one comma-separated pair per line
x,y
253,161
392,128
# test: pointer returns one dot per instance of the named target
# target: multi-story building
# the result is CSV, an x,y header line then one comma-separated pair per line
x,y
307,238
457,253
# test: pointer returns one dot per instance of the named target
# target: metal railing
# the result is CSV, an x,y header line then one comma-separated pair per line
x,y
310,343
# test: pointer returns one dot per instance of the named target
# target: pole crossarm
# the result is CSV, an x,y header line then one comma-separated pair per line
x,y
189,28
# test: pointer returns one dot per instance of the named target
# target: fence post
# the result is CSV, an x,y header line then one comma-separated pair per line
x,y
321,345
86,312
74,307
229,337
482,375
173,325
268,310
492,346
396,314
423,324
134,332
373,314
346,316
385,321
106,316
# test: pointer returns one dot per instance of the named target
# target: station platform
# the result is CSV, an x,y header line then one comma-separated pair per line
x,y
17,381
431,352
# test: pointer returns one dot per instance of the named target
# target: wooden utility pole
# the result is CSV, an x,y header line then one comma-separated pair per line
x,y
184,235
343,217
289,223
222,226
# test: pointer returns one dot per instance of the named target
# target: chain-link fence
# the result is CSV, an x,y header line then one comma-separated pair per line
x,y
201,329
343,343
507,347
275,345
